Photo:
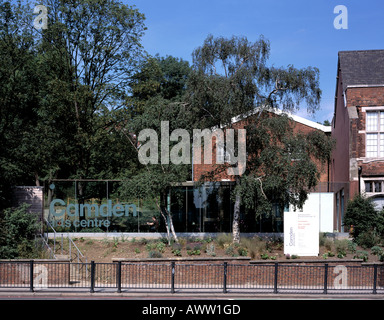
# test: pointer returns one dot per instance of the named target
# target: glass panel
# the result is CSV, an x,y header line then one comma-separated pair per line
x,y
372,144
177,206
381,121
368,187
378,186
372,121
381,144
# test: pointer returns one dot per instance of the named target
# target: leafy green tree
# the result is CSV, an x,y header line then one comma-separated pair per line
x,y
362,215
158,93
17,233
62,87
18,86
230,78
98,46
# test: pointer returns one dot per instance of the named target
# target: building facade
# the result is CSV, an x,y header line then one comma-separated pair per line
x,y
209,208
358,128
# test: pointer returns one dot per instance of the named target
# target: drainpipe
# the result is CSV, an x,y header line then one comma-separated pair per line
x,y
359,172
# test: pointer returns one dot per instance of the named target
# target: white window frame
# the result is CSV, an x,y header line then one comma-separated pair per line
x,y
373,182
379,132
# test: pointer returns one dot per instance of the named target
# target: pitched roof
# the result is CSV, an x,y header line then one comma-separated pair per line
x,y
362,67
308,123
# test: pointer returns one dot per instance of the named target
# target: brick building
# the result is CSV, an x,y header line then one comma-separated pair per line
x,y
210,208
358,127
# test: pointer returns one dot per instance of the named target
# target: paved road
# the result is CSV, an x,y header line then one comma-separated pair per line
x,y
187,306
52,295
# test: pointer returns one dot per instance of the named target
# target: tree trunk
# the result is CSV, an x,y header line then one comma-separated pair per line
x,y
236,220
236,217
37,181
167,216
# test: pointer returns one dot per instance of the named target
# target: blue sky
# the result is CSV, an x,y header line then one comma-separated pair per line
x,y
301,32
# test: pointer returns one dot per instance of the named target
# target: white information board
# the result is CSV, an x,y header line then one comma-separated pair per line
x,y
301,233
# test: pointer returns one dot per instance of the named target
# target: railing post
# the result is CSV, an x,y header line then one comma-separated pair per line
x,y
92,277
374,278
62,243
118,278
275,279
225,278
325,278
173,277
31,276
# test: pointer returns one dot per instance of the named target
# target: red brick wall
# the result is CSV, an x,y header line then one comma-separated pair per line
x,y
341,132
17,274
200,169
372,96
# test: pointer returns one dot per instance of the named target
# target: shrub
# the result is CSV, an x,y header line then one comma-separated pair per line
x,y
243,252
155,254
377,251
177,252
368,239
341,247
210,250
255,246
352,246
322,237
223,239
361,213
176,249
264,256
230,250
17,234
160,246
193,252
361,254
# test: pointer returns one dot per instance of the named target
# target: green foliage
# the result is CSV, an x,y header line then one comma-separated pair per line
x,y
154,254
177,252
368,239
341,247
223,238
243,252
160,246
62,91
230,250
17,233
254,246
367,222
194,249
352,246
230,77
361,254
264,256
210,249
376,250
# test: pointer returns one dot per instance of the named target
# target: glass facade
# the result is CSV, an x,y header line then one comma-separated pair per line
x,y
209,208
206,208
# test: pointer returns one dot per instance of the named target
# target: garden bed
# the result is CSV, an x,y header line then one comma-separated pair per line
x,y
220,249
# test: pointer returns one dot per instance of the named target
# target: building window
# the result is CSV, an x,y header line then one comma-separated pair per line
x,y
373,186
375,134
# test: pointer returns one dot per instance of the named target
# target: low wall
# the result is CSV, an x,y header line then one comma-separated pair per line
x,y
46,272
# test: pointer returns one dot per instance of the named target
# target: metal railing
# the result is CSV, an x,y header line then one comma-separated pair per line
x,y
74,255
179,277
